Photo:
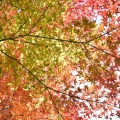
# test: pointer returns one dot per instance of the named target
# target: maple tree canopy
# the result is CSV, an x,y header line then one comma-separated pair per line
x,y
56,62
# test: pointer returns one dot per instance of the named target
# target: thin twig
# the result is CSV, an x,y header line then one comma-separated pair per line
x,y
54,104
88,55
108,32
18,30
40,17
104,51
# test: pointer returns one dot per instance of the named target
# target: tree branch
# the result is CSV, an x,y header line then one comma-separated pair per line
x,y
56,39
54,104
18,30
102,34
104,51
38,19
47,87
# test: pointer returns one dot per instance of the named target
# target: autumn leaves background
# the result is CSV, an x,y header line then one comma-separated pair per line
x,y
42,43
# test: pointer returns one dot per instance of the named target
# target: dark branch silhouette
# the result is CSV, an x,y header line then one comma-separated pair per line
x,y
47,87
104,51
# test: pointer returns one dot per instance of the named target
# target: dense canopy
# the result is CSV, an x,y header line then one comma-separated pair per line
x,y
59,59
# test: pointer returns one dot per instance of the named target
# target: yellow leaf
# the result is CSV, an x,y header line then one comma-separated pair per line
x,y
101,27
